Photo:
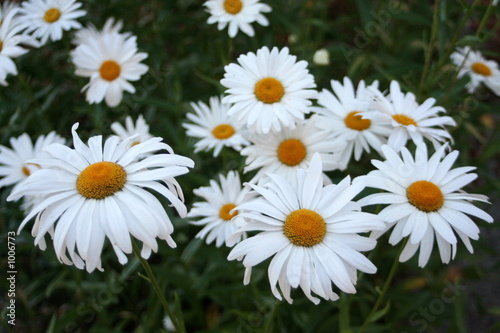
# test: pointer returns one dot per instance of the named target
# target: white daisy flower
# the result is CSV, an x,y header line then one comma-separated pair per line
x,y
217,213
14,162
10,38
93,192
110,61
425,201
140,130
287,151
91,32
238,14
311,232
5,8
268,89
214,127
408,119
342,112
473,64
49,18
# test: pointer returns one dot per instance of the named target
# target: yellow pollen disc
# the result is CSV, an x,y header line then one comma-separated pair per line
x,y
233,6
224,212
100,180
135,143
223,131
52,15
424,195
26,170
356,122
269,90
480,68
110,70
304,227
404,120
291,152
1,43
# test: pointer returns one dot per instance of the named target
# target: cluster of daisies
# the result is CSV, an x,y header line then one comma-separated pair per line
x,y
108,57
290,136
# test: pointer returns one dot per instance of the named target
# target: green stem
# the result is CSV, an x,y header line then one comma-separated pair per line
x,y
269,324
485,18
179,327
432,40
344,303
387,283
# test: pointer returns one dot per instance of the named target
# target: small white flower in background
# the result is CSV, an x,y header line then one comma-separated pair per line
x,y
425,201
14,163
91,32
321,57
110,61
140,130
310,230
342,113
480,70
46,19
238,14
214,127
407,119
268,90
93,192
287,151
10,38
218,217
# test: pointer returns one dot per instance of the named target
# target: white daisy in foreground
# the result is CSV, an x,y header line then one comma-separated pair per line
x,y
91,32
479,70
217,213
10,38
110,61
342,112
140,130
287,151
214,127
49,18
93,192
14,163
311,232
408,119
425,201
269,90
238,14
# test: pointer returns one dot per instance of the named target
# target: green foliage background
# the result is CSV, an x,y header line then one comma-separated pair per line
x,y
407,41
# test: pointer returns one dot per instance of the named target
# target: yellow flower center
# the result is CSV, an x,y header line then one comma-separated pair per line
x,y
356,122
233,6
269,90
100,180
224,212
52,15
1,43
404,120
304,227
110,70
223,131
135,143
424,195
291,152
26,169
480,68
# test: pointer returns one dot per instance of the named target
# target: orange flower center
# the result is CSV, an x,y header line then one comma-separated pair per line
x,y
100,180
269,90
291,152
480,68
356,122
110,70
52,15
304,227
224,212
404,120
28,168
1,43
424,195
233,6
223,131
